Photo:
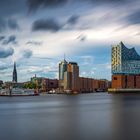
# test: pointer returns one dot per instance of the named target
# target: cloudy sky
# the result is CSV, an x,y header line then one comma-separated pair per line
x,y
37,33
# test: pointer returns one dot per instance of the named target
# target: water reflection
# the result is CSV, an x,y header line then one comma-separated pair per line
x,y
91,116
125,117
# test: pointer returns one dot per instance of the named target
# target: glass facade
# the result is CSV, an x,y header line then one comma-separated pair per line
x,y
62,69
124,60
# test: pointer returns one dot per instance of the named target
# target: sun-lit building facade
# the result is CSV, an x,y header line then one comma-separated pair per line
x,y
125,67
124,60
71,77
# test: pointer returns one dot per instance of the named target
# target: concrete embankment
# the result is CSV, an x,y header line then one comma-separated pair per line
x,y
112,90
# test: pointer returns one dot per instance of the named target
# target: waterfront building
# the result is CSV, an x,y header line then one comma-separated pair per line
x,y
124,60
121,81
1,83
125,67
49,84
69,80
37,81
62,69
44,84
68,76
92,85
71,77
14,73
84,84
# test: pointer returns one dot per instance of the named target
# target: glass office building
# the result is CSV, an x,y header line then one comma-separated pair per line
x,y
62,69
125,60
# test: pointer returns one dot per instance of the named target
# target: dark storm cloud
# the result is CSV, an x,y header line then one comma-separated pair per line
x,y
4,53
134,18
4,67
27,53
8,24
35,4
73,19
11,39
82,38
12,24
109,1
2,24
35,43
11,7
2,37
46,25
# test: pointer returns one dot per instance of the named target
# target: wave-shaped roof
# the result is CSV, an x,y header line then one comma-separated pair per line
x,y
129,54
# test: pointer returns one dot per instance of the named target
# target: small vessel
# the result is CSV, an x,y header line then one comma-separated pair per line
x,y
18,92
4,92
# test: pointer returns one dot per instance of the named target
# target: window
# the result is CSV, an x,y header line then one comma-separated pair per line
x,y
115,78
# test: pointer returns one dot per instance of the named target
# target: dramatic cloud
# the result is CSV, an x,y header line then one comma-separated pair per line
x,y
4,53
73,19
27,53
35,4
11,7
4,66
1,38
109,1
53,25
35,43
12,24
11,39
2,24
45,58
82,37
134,18
8,10
8,24
48,25
75,27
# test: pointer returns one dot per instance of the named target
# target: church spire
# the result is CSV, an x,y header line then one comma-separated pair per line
x,y
64,57
15,73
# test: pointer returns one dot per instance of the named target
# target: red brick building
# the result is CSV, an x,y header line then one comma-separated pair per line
x,y
125,81
49,84
92,85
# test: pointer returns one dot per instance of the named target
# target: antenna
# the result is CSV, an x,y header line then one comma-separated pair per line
x,y
64,57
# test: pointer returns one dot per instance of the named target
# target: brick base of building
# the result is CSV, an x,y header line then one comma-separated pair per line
x,y
120,81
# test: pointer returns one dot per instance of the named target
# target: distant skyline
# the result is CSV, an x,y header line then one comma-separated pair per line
x,y
37,33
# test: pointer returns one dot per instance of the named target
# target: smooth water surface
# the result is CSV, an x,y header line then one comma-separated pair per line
x,y
97,116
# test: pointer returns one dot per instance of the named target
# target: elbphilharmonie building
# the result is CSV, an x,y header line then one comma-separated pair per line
x,y
125,60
